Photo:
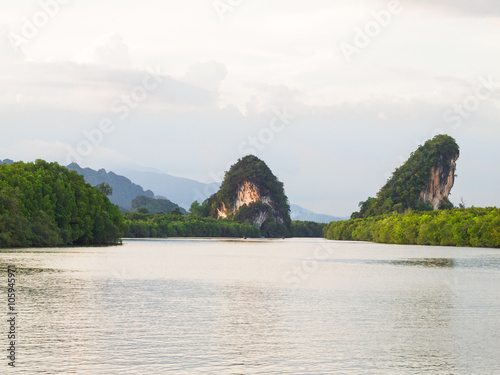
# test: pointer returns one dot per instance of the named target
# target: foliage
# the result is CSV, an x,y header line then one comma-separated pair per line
x,y
45,204
402,191
306,229
175,224
105,189
154,206
477,227
200,209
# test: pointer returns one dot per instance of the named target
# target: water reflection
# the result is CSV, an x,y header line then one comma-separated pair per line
x,y
425,262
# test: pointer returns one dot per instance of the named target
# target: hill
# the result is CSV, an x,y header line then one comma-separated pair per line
x,y
124,190
301,214
182,191
251,193
155,206
423,183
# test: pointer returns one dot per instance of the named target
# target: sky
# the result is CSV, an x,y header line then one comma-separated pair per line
x,y
332,94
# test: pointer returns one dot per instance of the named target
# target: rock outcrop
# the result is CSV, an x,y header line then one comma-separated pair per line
x,y
251,193
441,182
424,182
246,194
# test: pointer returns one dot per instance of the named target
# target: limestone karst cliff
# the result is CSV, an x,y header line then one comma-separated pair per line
x,y
440,183
251,193
424,182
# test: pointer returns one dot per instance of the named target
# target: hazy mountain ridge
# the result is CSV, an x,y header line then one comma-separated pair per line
x,y
124,190
182,191
300,213
155,205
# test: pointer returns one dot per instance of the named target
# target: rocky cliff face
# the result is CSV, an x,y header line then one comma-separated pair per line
x,y
251,193
441,182
246,194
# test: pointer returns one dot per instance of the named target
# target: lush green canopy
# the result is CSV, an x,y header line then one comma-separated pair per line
x,y
478,227
175,224
45,204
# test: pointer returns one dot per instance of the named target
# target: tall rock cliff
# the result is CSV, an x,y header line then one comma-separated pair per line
x,y
440,183
424,182
251,193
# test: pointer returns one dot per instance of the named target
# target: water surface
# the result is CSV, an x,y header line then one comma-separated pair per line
x,y
255,307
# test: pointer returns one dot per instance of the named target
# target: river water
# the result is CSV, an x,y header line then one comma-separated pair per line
x,y
296,306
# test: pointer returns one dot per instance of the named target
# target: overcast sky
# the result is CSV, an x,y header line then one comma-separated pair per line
x,y
332,94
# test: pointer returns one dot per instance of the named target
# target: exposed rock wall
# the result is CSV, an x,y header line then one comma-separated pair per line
x,y
246,194
222,212
441,182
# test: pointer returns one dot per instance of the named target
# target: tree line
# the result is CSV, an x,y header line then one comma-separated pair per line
x,y
175,224
477,227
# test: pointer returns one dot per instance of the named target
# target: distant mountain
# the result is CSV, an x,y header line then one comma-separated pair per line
x,y
6,161
154,206
301,214
182,191
124,190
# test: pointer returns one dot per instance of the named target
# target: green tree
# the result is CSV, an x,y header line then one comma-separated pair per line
x,y
105,188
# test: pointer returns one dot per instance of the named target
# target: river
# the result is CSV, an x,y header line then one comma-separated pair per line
x,y
295,306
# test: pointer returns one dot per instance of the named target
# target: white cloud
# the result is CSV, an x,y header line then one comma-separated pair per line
x,y
109,49
207,76
8,50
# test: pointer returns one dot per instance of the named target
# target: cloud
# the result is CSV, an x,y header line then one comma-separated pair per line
x,y
94,88
486,8
8,51
28,150
207,76
109,49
